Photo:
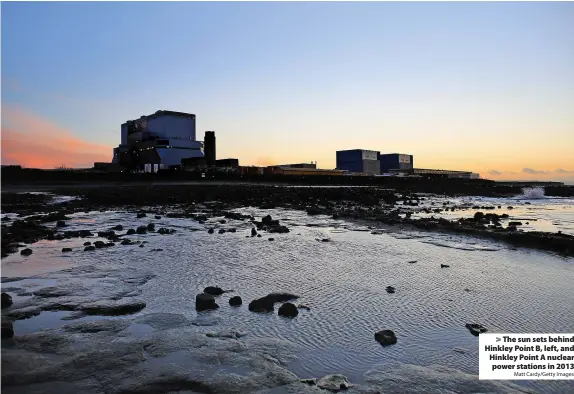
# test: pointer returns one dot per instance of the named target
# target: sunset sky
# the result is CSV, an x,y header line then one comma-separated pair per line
x,y
487,87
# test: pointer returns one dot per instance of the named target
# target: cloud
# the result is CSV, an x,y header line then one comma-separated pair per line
x,y
31,141
531,171
494,172
562,171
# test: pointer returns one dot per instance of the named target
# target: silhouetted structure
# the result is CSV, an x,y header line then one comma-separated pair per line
x,y
159,140
359,160
227,163
297,165
395,161
209,147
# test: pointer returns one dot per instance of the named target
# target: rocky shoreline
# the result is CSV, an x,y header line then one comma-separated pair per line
x,y
200,202
102,350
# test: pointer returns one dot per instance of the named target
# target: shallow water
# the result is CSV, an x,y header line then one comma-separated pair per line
x,y
343,282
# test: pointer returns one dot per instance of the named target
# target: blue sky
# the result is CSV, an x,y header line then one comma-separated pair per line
x,y
477,86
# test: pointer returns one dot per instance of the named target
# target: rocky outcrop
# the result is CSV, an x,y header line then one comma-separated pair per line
x,y
267,303
7,328
334,383
235,301
476,329
288,310
205,302
6,300
26,252
386,337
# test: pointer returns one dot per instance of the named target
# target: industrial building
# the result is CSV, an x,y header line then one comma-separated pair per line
x,y
160,140
298,165
436,173
395,161
359,160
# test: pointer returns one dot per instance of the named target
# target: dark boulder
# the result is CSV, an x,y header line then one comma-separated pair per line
x,y
105,234
281,297
211,231
119,227
131,231
213,290
386,337
26,252
6,300
235,301
85,233
221,231
262,305
205,302
253,232
87,243
157,217
127,242
278,229
288,310
271,239
444,266
268,221
89,248
60,223
476,329
141,215
100,244
258,235
390,289
7,328
232,230
141,229
64,250
151,227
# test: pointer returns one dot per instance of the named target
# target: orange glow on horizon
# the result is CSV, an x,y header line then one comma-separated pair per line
x,y
31,141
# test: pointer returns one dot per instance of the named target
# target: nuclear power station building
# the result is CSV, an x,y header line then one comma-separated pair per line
x,y
161,141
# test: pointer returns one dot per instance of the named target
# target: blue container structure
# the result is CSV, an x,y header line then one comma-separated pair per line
x,y
395,161
359,160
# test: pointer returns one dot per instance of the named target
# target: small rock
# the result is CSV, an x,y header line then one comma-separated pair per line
x,y
253,232
288,310
390,289
126,242
65,250
157,217
444,266
271,239
222,221
6,300
151,227
334,383
258,235
60,223
386,337
412,261
211,231
141,229
476,329
141,215
119,227
87,243
301,306
232,230
142,245
310,382
99,244
131,231
89,248
235,301
205,302
26,252
221,231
